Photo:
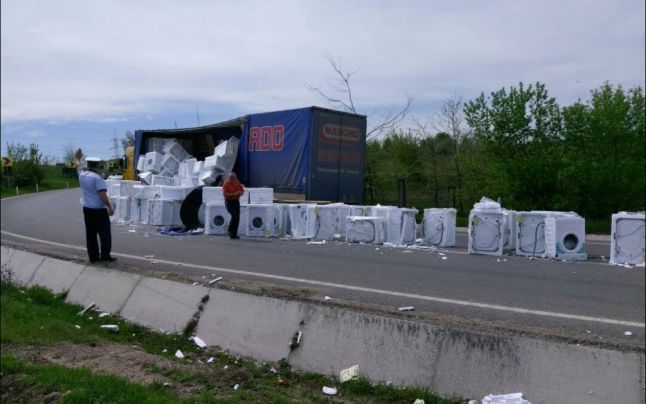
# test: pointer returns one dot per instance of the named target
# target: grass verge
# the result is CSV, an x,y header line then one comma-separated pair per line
x,y
53,179
51,353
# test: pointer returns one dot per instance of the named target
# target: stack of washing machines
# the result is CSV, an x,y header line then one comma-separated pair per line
x,y
120,194
438,227
627,238
140,205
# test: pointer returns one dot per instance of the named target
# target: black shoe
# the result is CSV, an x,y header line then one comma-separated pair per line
x,y
234,237
109,259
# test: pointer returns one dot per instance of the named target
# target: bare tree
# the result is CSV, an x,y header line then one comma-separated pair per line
x,y
341,97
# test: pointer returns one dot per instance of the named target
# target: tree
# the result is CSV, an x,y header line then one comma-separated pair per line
x,y
25,169
341,97
128,139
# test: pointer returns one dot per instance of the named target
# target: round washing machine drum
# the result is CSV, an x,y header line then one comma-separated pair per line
x,y
257,222
219,221
571,242
486,234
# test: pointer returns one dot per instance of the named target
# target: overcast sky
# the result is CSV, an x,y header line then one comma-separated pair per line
x,y
75,72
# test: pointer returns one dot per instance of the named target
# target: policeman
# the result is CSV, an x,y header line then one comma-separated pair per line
x,y
97,209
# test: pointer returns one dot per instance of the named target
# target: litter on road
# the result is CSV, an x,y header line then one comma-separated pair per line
x,y
104,314
198,341
330,391
210,360
514,398
88,307
349,374
236,387
111,327
628,333
179,354
327,298
215,280
407,308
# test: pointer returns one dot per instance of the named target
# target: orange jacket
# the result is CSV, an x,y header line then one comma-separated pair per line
x,y
232,190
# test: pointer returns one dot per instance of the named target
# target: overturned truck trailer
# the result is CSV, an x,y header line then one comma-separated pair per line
x,y
315,152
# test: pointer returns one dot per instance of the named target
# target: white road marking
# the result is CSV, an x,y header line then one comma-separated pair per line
x,y
360,289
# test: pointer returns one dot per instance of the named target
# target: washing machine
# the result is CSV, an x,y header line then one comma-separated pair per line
x,y
260,196
509,237
123,208
565,238
216,219
365,229
152,162
281,220
212,195
327,221
135,210
349,210
177,193
486,232
260,220
164,212
530,231
627,238
393,221
302,220
438,227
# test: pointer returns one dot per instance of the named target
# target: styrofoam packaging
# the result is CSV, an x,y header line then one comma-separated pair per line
x,y
140,163
114,188
216,219
260,220
123,209
164,212
302,219
408,232
228,148
486,231
212,195
170,164
144,211
260,195
172,148
327,221
513,398
209,176
627,238
146,177
400,228
438,227
152,162
565,238
161,180
366,229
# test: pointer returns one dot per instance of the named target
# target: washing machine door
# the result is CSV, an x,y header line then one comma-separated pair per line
x,y
434,229
531,235
486,233
220,221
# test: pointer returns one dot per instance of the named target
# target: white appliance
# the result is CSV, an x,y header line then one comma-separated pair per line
x,y
152,162
170,165
156,144
348,210
114,188
260,196
400,223
146,177
135,210
408,229
144,211
174,149
281,220
125,189
627,238
161,180
327,225
510,232
123,208
565,238
365,229
487,228
114,201
438,227
174,192
530,231
140,163
164,212
212,195
260,220
216,220
302,219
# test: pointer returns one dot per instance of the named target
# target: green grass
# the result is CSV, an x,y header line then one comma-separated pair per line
x,y
36,318
52,179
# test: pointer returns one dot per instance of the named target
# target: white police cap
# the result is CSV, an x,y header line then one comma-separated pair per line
x,y
93,159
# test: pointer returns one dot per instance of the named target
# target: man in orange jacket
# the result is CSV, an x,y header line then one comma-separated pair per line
x,y
233,190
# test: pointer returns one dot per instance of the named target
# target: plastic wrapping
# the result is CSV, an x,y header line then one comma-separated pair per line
x,y
302,218
486,231
169,165
627,238
161,180
365,229
123,208
212,195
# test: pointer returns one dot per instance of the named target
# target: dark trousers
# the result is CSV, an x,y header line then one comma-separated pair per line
x,y
233,207
97,222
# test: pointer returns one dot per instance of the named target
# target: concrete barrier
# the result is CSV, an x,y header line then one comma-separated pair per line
x,y
108,289
57,275
23,264
162,304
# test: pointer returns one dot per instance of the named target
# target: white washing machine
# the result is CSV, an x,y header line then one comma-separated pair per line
x,y
281,220
216,219
260,220
438,227
152,162
164,212
177,193
302,220
212,195
627,238
327,221
486,232
135,210
349,210
123,207
260,196
565,238
510,233
114,201
365,229
530,231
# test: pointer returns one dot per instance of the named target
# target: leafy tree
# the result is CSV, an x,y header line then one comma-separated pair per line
x,y
25,169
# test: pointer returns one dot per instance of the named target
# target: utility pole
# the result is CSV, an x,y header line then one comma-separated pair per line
x,y
115,145
197,111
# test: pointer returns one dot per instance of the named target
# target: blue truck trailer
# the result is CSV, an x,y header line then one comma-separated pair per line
x,y
314,152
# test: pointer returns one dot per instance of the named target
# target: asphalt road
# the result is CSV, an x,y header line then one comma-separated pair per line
x,y
589,301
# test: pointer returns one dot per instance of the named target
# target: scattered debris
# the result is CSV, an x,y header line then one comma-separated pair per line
x,y
407,252
473,402
628,333
273,370
316,242
514,398
330,391
166,384
588,331
77,326
196,284
165,350
104,314
236,387
283,382
179,354
349,374
327,298
441,254
210,360
88,307
225,367
111,327
407,308
296,340
149,256
418,401
132,231
215,280
445,258
198,341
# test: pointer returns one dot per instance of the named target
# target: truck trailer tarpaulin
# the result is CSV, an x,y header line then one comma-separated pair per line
x,y
313,151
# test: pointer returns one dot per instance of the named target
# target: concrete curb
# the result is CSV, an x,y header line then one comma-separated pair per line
x,y
451,362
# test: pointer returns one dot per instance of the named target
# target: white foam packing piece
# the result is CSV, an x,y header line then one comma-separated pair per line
x,y
216,219
152,162
627,238
513,398
366,229
164,212
438,227
260,195
302,219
